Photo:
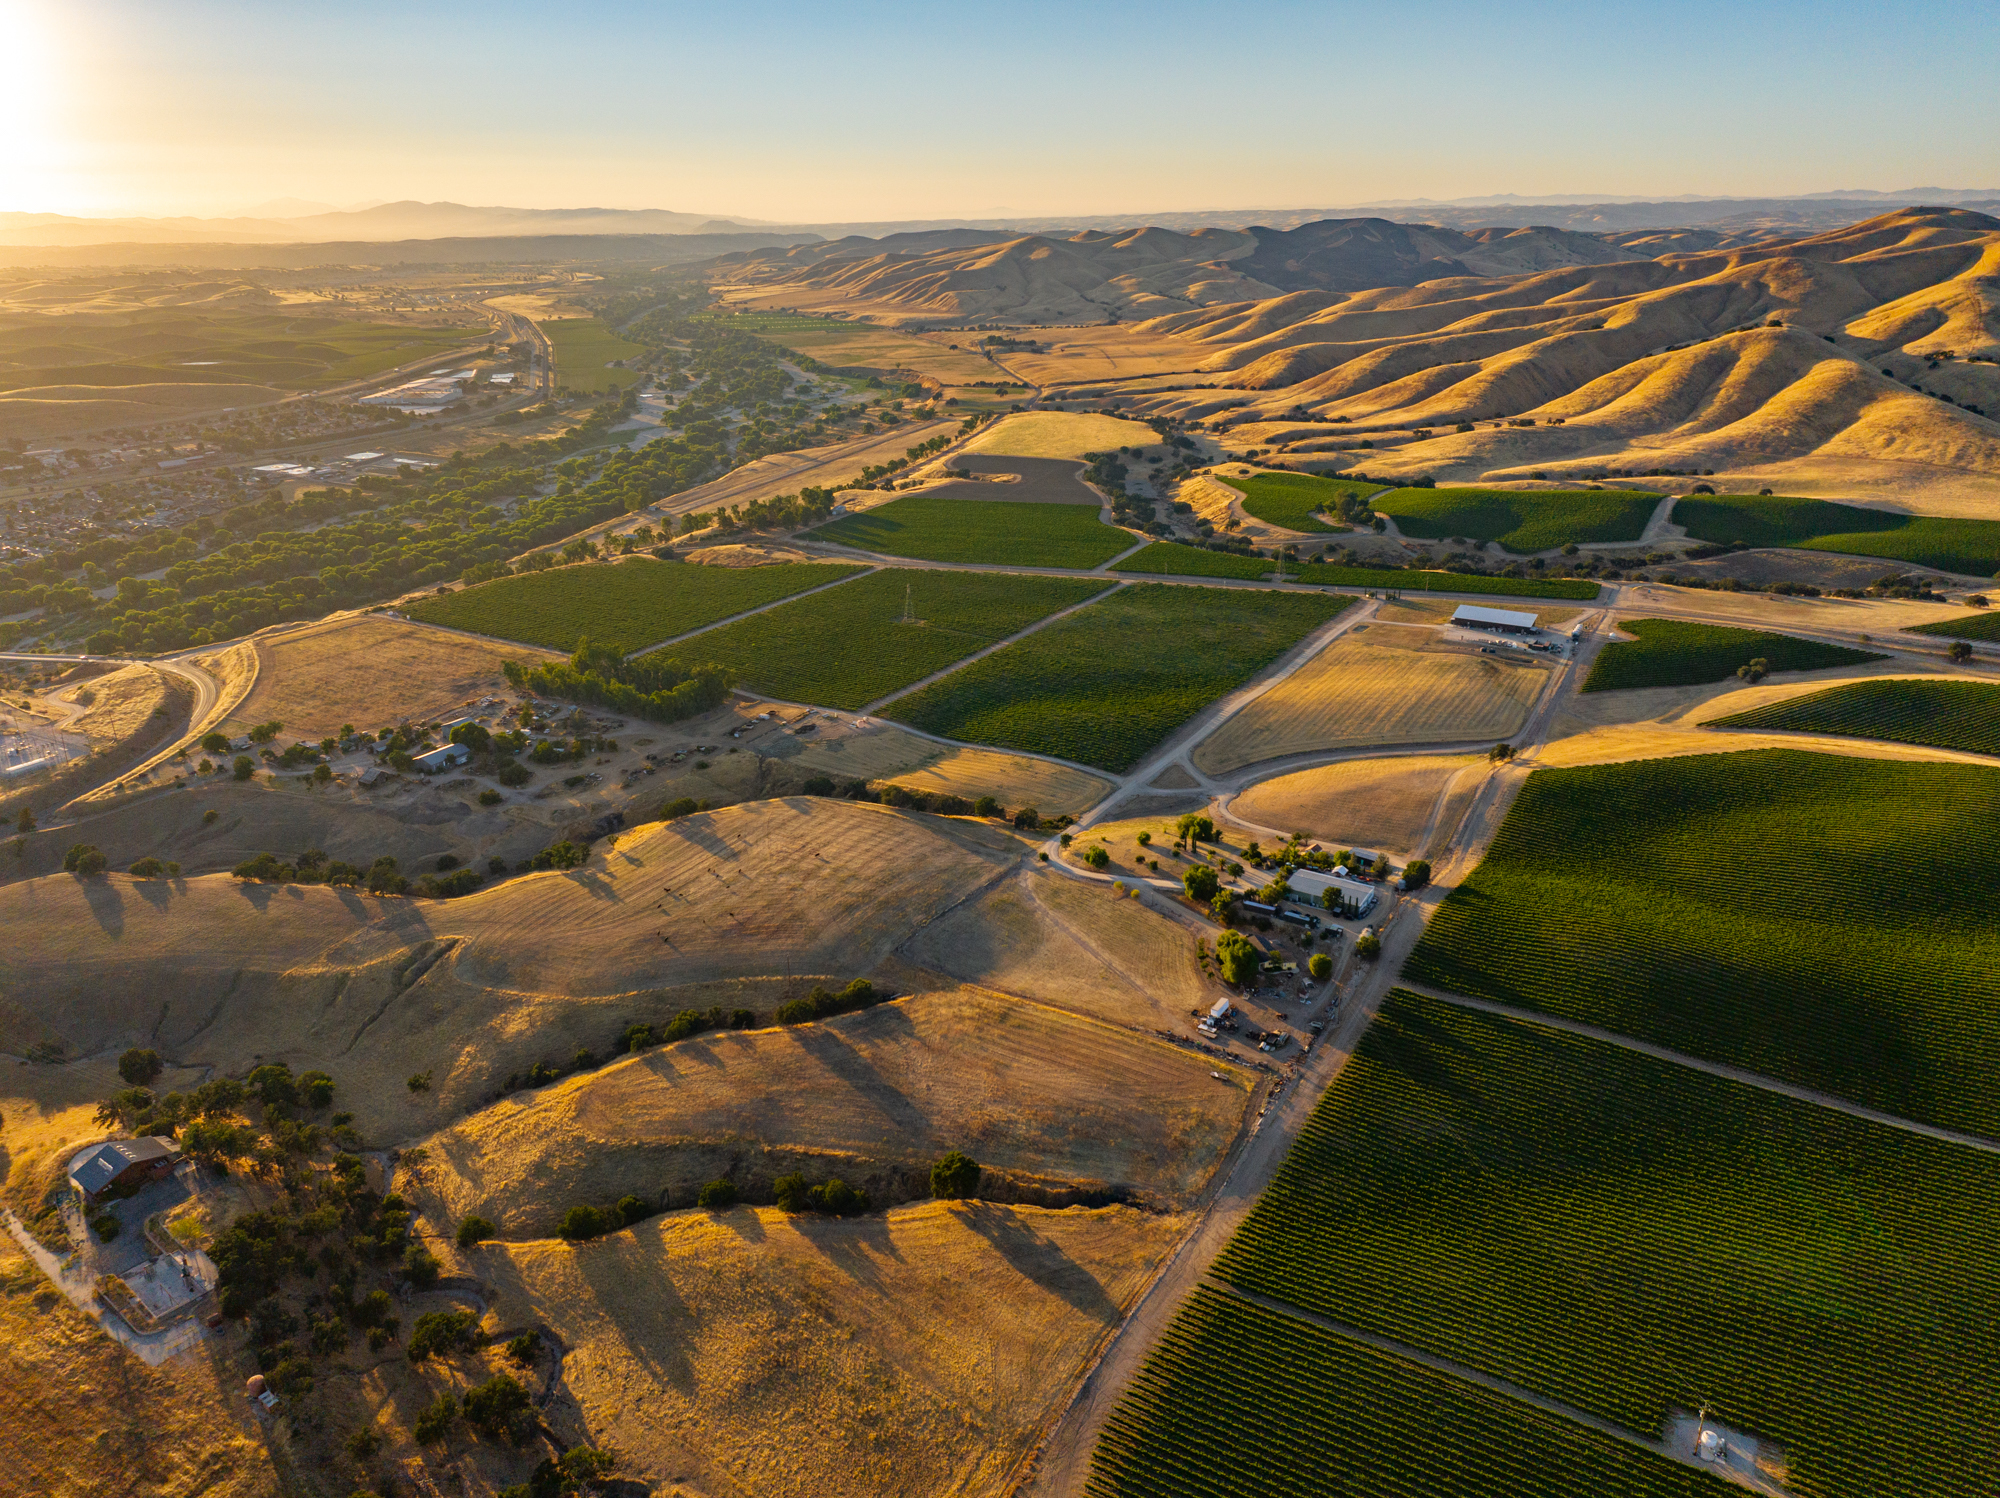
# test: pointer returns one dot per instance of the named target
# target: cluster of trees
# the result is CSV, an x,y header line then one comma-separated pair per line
x,y
823,1004
688,1022
653,687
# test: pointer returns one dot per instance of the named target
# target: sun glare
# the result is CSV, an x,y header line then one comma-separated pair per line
x,y
31,177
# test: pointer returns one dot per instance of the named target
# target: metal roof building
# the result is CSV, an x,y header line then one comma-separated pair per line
x,y
1505,620
120,1162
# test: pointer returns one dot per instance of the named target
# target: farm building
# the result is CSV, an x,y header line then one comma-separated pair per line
x,y
120,1163
1311,886
1506,621
443,759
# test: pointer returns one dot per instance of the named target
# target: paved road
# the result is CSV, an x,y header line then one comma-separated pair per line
x,y
1061,1466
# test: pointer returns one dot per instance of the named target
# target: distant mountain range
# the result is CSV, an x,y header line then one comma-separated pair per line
x,y
410,220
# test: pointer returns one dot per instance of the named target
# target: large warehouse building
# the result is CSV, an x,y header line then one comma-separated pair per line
x,y
1506,621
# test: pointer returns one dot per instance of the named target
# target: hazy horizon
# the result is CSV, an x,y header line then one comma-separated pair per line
x,y
214,107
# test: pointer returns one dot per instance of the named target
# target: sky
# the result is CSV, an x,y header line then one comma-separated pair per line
x,y
852,112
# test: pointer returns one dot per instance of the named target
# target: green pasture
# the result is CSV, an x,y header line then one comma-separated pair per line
x,y
584,349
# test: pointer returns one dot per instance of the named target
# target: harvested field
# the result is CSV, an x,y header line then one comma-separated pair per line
x,y
45,411
1599,902
922,1349
1521,520
938,527
847,646
1060,434
1946,714
1043,480
1074,945
635,603
827,467
86,1419
1681,652
1380,684
1046,1098
369,671
1108,683
1369,803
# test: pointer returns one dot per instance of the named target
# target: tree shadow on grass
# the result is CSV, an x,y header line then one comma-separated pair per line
x,y
1040,1259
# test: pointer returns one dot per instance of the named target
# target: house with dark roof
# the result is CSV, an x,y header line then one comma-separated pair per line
x,y
112,1167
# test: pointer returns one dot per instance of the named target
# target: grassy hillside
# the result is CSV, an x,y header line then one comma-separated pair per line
x,y
849,645
1004,532
1815,917
1109,682
1966,546
634,603
1242,1399
1946,714
1681,653
1624,1235
1519,519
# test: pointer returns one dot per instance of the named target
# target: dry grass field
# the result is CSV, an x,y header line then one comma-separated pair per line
x,y
1379,684
211,972
1014,780
86,1419
41,412
881,752
1074,945
369,672
1042,1096
786,473
117,705
1059,434
1368,803
749,1354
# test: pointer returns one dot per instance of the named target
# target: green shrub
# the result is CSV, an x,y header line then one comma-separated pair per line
x,y
1201,882
525,1348
954,1177
83,859
1237,958
441,1333
497,1407
717,1196
1320,967
420,1266
474,1230
434,1420
139,1066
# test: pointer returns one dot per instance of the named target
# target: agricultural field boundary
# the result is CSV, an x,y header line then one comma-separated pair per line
x,y
1020,634
1404,1353
1717,1069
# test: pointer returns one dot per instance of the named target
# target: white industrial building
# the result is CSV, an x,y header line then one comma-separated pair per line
x,y
1472,616
1310,887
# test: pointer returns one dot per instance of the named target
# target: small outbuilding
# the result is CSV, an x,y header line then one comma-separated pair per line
x,y
443,759
119,1164
1505,621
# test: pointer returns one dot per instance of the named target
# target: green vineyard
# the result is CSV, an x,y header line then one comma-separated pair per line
x,y
1966,546
1172,559
1816,917
1521,520
1680,653
1003,532
1295,500
637,602
1626,1236
847,646
1964,627
1239,1400
1945,714
1106,684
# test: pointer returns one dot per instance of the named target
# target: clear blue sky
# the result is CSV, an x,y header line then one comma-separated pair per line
x,y
861,111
